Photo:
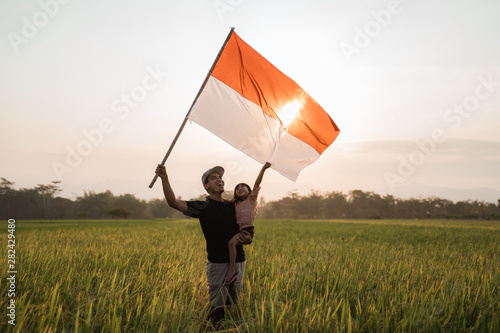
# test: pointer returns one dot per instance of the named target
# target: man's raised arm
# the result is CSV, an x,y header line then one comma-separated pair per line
x,y
180,205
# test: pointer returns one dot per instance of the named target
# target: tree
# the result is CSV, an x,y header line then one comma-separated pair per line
x,y
94,205
136,207
7,193
364,204
159,208
334,205
63,208
311,206
388,206
119,213
46,196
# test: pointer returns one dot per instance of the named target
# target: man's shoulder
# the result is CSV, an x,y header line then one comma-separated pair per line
x,y
196,207
198,204
221,205
209,202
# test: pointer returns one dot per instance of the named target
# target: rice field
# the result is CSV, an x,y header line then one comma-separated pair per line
x,y
301,276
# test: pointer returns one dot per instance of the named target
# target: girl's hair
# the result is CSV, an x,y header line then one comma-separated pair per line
x,y
235,198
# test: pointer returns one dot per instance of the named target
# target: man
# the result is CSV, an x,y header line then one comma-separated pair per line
x,y
218,223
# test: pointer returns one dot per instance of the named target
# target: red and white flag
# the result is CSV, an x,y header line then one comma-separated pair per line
x,y
260,111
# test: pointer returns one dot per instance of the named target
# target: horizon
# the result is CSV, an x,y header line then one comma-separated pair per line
x,y
459,196
413,86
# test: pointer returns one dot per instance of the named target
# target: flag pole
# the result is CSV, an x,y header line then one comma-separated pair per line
x,y
194,102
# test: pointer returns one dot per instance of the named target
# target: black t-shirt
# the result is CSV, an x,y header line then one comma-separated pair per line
x,y
218,222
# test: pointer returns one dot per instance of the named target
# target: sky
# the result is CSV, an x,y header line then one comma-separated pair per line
x,y
92,93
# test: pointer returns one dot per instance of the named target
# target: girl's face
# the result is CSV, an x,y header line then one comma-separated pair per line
x,y
242,191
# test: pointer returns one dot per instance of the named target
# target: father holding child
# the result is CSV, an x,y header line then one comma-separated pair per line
x,y
218,223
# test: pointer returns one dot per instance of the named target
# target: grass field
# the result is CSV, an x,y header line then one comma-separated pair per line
x,y
301,276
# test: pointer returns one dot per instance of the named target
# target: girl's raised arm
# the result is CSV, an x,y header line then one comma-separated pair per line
x,y
261,174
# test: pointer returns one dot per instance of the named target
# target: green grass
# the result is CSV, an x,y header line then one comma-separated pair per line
x,y
301,276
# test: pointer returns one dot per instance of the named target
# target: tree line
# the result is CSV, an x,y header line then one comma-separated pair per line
x,y
359,204
43,202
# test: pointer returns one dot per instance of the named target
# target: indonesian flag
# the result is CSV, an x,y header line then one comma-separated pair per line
x,y
260,111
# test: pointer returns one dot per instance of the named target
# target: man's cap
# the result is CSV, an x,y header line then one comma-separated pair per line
x,y
218,169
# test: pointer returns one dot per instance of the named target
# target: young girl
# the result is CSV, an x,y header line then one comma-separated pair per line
x,y
245,201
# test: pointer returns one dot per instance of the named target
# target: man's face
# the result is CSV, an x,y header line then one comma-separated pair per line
x,y
214,183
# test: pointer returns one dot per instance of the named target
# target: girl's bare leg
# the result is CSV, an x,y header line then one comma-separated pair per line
x,y
232,255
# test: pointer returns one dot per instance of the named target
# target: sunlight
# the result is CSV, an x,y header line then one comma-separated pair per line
x,y
289,112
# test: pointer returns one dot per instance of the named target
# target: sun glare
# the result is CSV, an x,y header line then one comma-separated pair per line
x,y
289,112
